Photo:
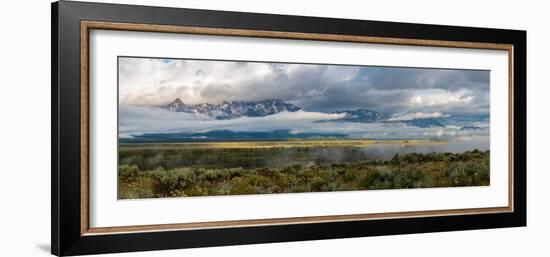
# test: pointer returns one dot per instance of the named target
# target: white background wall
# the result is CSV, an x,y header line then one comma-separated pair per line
x,y
25,127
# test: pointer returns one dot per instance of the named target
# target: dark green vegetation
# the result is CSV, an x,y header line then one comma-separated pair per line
x,y
172,172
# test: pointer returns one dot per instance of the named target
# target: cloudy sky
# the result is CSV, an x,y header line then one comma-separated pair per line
x,y
402,93
315,88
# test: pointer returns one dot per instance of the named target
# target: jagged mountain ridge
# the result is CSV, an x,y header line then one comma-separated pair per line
x,y
262,108
423,123
370,116
235,109
470,127
360,115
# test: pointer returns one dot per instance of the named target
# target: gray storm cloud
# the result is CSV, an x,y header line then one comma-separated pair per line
x,y
315,88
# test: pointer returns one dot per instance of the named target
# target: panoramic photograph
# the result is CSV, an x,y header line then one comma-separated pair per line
x,y
190,127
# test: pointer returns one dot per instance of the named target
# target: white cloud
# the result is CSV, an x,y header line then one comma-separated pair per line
x,y
140,120
416,115
145,81
438,97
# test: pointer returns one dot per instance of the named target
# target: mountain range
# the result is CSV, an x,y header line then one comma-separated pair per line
x,y
235,109
226,135
360,115
470,127
262,108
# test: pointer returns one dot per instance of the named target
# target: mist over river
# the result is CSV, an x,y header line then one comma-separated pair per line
x,y
190,155
378,151
458,145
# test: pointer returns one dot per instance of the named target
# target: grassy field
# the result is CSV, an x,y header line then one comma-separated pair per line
x,y
236,168
273,144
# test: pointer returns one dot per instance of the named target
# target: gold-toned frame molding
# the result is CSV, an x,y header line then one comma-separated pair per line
x,y
86,26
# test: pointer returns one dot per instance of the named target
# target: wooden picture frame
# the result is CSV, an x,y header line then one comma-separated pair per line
x,y
71,26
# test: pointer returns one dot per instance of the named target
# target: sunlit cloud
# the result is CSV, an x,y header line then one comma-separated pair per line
x,y
416,115
443,98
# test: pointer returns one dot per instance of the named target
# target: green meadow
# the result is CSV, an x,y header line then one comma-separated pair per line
x,y
292,166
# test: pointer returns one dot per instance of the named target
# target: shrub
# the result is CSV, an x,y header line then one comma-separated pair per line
x,y
299,188
200,177
211,174
127,172
167,181
239,186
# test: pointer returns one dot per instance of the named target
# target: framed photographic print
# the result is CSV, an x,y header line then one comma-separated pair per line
x,y
178,128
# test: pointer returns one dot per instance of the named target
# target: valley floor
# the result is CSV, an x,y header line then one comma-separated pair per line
x,y
157,172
